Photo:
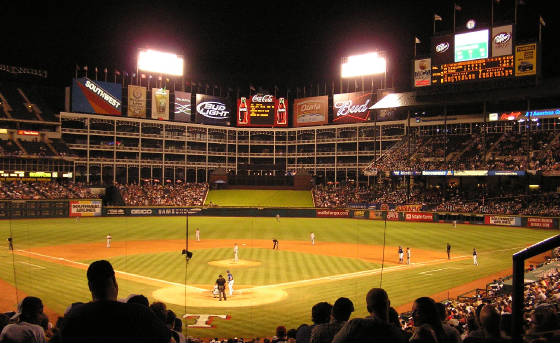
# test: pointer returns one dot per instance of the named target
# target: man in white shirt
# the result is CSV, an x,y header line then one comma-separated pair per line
x,y
109,240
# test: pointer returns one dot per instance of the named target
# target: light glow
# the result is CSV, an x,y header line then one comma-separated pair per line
x,y
362,65
160,62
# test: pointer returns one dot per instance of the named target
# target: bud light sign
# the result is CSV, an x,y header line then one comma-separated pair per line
x,y
352,107
213,110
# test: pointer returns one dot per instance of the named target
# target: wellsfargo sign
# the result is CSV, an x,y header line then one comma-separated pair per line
x,y
333,213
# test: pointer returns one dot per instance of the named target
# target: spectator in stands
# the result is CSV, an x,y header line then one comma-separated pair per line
x,y
424,311
341,311
320,314
489,320
281,335
138,299
544,323
106,319
4,320
170,322
27,327
374,328
449,330
291,335
178,328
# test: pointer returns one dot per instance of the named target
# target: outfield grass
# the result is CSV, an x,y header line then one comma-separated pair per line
x,y
260,198
60,285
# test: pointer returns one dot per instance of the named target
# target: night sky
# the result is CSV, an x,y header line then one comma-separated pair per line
x,y
237,43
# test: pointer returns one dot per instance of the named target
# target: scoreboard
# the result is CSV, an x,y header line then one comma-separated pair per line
x,y
481,69
480,55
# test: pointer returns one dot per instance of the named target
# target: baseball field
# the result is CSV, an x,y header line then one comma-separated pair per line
x,y
272,287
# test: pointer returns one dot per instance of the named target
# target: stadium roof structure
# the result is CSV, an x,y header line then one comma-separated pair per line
x,y
418,98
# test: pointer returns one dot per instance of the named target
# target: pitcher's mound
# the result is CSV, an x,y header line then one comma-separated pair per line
x,y
197,297
230,263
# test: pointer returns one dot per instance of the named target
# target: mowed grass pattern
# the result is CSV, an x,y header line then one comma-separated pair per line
x,y
59,285
276,266
260,198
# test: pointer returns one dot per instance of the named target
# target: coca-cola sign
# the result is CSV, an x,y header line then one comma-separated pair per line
x,y
352,107
262,98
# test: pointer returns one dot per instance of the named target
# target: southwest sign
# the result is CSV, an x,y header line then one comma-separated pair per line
x,y
96,97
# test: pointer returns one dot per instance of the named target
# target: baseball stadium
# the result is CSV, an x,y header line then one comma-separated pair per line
x,y
247,216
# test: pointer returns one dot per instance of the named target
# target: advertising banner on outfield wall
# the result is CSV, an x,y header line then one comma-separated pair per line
x,y
160,104
182,107
409,208
136,101
311,111
376,215
327,213
393,216
418,217
547,223
85,208
352,107
96,97
502,220
360,214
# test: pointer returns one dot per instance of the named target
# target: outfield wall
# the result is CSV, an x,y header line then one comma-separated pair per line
x,y
90,208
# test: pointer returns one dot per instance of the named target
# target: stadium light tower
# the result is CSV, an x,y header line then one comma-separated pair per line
x,y
160,62
371,63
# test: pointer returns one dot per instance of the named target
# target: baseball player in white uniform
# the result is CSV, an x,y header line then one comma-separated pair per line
x,y
235,253
230,282
312,236
109,240
475,257
407,255
197,235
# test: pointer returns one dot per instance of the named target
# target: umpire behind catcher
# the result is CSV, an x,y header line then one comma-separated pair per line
x,y
221,282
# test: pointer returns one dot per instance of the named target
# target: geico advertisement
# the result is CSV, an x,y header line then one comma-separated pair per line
x,y
89,208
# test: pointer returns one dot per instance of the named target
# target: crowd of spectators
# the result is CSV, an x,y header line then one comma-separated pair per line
x,y
539,152
20,190
485,318
501,200
155,194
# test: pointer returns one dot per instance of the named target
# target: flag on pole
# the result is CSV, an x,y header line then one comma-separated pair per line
x,y
437,17
458,8
541,21
417,40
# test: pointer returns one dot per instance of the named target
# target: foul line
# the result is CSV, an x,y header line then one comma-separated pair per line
x,y
116,271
